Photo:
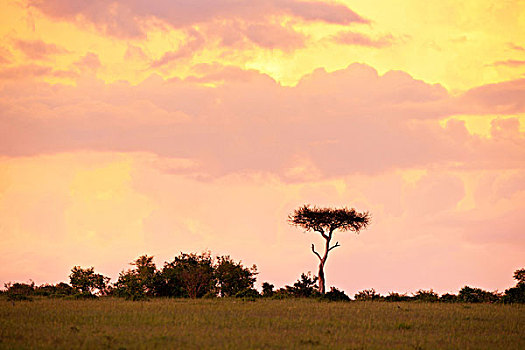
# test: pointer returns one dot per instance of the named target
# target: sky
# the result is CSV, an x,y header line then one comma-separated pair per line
x,y
133,127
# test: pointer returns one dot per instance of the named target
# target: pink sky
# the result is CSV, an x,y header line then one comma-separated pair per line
x,y
153,130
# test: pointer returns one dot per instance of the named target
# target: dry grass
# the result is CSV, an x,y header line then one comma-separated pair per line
x,y
269,324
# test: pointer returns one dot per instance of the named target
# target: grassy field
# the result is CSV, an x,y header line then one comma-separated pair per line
x,y
263,324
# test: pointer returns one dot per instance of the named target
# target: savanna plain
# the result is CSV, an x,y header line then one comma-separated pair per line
x,y
228,323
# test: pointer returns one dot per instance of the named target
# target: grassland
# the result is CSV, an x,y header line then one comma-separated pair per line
x,y
264,324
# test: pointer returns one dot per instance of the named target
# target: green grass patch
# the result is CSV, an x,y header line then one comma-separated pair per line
x,y
264,324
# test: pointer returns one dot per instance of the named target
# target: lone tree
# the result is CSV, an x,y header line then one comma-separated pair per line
x,y
325,221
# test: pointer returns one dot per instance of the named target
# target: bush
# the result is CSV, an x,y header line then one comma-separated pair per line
x,y
248,294
336,295
428,296
305,287
20,291
232,277
515,294
367,295
55,291
86,281
267,290
477,295
189,275
392,297
449,298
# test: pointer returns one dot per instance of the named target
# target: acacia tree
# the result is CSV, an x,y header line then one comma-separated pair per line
x,y
325,221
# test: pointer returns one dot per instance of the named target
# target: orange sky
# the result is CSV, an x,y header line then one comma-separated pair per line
x,y
132,127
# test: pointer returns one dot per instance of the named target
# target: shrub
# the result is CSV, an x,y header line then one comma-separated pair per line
x,y
249,293
515,294
428,296
477,295
393,296
190,275
336,295
232,277
449,298
86,281
267,290
20,291
368,295
55,291
305,287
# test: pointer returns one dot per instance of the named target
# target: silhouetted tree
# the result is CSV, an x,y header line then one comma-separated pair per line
x,y
368,295
267,289
336,295
139,282
86,281
304,287
516,294
519,275
477,295
232,277
19,291
190,275
326,221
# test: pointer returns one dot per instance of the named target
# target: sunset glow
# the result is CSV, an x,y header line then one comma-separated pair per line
x,y
135,127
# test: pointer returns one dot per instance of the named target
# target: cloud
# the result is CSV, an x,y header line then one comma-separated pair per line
x,y
125,18
504,98
332,124
194,43
358,39
31,71
274,37
37,49
516,47
134,52
510,63
5,55
89,61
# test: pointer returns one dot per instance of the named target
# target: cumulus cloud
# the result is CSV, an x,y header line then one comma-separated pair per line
x,y
348,121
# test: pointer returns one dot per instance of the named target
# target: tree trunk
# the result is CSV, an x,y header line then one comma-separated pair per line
x,y
321,278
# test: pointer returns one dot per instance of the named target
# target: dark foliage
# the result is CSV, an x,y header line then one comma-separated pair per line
x,y
336,295
189,275
329,219
20,291
519,275
428,296
248,294
368,295
87,282
516,294
304,287
476,295
138,283
392,296
59,290
233,278
449,298
267,290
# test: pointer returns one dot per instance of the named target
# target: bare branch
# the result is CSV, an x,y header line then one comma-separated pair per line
x,y
316,253
335,246
321,231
